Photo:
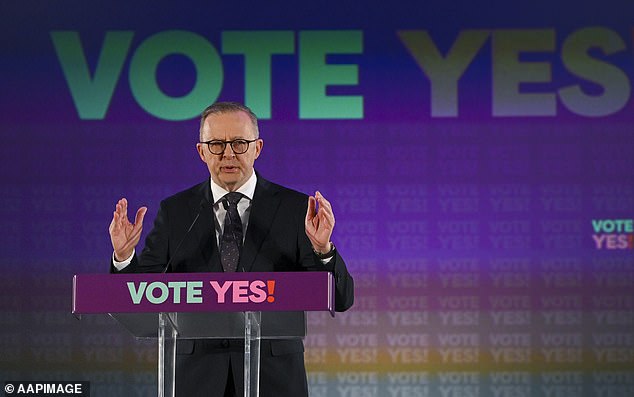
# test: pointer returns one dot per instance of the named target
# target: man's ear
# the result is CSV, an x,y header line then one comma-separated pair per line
x,y
258,147
201,153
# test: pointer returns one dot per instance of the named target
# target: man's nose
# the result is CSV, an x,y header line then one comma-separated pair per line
x,y
228,151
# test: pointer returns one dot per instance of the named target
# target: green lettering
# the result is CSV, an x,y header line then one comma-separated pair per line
x,y
258,47
136,294
91,95
509,73
315,74
614,82
209,74
443,72
149,293
194,290
597,225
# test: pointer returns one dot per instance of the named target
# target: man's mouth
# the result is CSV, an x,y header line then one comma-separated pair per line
x,y
229,168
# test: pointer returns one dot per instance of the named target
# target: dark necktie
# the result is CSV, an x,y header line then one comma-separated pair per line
x,y
231,241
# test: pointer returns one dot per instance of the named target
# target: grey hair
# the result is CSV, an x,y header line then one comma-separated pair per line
x,y
229,107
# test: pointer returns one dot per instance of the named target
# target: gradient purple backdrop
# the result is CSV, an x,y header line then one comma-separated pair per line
x,y
415,196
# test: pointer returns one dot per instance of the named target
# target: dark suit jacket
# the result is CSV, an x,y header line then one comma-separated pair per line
x,y
275,240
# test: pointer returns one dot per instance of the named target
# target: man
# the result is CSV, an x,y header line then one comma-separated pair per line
x,y
244,223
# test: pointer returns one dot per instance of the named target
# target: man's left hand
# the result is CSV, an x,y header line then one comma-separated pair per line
x,y
319,222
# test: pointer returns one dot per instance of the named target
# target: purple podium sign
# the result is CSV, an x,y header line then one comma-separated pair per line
x,y
203,292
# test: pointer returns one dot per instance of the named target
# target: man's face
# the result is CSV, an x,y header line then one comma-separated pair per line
x,y
229,170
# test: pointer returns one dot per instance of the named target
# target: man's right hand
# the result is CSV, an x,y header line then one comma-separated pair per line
x,y
123,234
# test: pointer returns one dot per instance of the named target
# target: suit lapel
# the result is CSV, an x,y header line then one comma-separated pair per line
x,y
206,230
263,209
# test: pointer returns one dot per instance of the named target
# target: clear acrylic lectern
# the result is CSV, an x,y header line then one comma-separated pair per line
x,y
250,326
176,306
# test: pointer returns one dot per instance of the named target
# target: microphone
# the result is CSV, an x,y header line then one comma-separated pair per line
x,y
201,206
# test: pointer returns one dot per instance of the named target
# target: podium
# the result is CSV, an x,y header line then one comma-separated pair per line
x,y
173,306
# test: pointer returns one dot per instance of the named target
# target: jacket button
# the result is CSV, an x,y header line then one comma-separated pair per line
x,y
225,343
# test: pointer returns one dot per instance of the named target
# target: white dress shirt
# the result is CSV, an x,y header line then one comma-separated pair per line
x,y
244,205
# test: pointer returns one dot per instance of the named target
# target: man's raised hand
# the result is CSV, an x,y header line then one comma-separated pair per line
x,y
123,234
319,222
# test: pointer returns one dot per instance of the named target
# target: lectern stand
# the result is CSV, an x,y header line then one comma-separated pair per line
x,y
169,307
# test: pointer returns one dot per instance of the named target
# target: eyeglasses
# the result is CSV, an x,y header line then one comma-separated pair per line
x,y
239,146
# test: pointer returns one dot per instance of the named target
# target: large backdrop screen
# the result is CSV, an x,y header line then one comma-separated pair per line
x,y
479,157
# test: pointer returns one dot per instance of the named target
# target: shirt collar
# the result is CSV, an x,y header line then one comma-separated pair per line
x,y
248,189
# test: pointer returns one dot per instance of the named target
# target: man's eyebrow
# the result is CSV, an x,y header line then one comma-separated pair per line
x,y
232,138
